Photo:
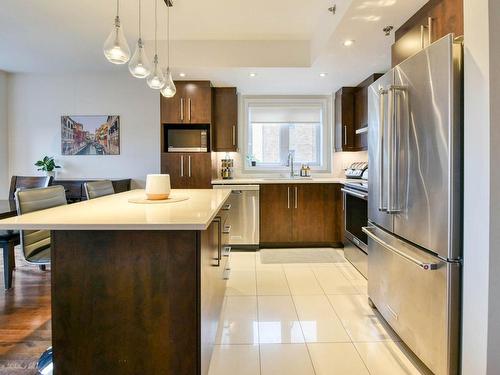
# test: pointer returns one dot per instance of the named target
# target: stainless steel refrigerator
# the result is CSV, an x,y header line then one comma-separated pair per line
x,y
414,207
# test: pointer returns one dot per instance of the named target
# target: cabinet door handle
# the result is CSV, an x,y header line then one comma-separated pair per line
x,y
182,165
296,198
429,29
182,109
345,135
422,41
189,109
189,166
217,220
234,135
288,197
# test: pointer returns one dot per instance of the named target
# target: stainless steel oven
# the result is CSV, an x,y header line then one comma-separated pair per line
x,y
355,218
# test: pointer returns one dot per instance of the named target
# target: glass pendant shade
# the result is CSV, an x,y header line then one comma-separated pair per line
x,y
116,47
156,79
169,90
139,65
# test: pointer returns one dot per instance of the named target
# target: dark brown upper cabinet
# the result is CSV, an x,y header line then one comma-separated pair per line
x,y
351,116
192,104
361,113
344,119
434,20
225,125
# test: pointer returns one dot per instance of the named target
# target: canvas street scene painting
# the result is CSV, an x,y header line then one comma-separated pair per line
x,y
90,135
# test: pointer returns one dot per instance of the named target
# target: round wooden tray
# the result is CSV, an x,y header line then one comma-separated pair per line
x,y
171,199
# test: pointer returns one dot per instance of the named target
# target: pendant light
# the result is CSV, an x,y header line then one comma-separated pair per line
x,y
115,47
169,89
139,65
156,80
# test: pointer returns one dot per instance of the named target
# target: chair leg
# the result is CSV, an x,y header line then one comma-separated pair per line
x,y
7,248
12,257
43,267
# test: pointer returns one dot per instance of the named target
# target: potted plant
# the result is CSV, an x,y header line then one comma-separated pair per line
x,y
47,164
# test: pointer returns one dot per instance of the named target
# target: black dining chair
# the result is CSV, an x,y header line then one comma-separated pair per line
x,y
9,239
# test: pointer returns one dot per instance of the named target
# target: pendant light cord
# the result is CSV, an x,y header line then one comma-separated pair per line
x,y
156,27
168,37
117,8
140,33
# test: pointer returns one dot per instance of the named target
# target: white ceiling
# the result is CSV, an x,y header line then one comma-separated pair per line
x,y
286,42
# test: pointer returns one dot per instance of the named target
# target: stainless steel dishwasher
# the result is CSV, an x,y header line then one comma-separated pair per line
x,y
244,216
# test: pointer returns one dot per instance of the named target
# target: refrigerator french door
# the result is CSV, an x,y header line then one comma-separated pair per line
x,y
414,256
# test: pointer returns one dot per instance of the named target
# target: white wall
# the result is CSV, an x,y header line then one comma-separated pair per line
x,y
494,269
35,106
4,145
481,285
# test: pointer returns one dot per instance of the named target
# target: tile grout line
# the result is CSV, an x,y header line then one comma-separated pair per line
x,y
338,317
300,322
343,326
258,319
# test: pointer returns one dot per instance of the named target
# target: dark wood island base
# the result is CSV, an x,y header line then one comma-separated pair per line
x,y
136,302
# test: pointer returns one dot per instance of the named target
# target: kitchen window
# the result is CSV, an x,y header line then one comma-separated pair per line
x,y
277,126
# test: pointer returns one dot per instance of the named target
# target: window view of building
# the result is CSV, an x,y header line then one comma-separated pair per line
x,y
277,128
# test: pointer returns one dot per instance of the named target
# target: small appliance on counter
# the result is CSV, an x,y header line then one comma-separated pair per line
x,y
357,170
226,171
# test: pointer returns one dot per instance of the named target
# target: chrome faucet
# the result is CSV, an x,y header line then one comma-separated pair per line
x,y
291,155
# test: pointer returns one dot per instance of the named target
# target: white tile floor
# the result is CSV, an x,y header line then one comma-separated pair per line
x,y
300,319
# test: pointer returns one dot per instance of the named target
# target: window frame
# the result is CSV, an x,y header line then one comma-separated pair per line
x,y
324,101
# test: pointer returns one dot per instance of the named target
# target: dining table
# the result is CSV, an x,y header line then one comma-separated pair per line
x,y
8,240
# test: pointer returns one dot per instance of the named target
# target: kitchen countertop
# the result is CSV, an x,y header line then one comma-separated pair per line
x,y
114,212
282,180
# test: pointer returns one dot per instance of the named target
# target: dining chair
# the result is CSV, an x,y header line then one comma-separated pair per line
x,y
9,239
96,189
28,182
36,243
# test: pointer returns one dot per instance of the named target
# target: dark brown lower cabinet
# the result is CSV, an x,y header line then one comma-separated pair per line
x,y
188,170
300,214
136,302
275,213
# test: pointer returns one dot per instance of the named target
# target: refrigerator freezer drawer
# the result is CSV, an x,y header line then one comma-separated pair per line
x,y
419,296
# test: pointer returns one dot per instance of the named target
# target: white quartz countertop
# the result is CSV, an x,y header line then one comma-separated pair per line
x,y
282,180
115,212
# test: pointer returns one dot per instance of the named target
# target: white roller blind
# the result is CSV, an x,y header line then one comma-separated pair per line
x,y
285,114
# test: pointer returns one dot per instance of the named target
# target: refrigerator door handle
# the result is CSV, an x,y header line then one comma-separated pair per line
x,y
394,134
390,148
426,266
381,207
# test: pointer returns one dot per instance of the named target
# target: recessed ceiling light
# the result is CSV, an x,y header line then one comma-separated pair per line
x,y
323,74
253,74
348,42
182,74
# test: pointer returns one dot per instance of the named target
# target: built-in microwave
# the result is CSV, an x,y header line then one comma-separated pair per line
x,y
186,138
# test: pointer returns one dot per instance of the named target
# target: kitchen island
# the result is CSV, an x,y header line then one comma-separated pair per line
x,y
136,288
